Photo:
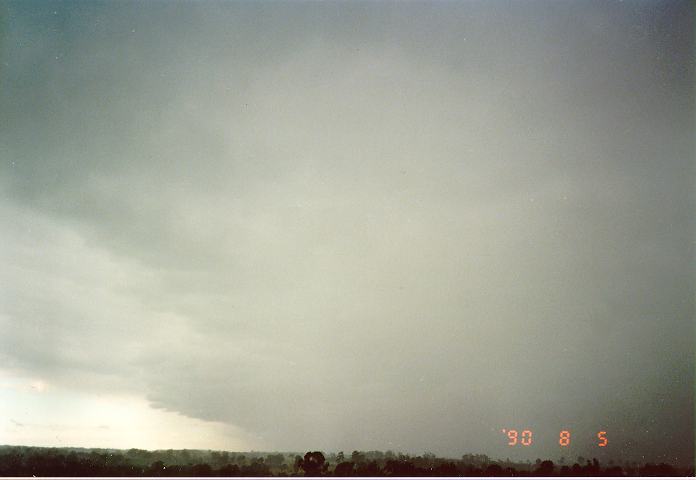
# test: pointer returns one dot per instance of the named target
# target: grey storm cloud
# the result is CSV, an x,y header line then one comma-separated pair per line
x,y
357,225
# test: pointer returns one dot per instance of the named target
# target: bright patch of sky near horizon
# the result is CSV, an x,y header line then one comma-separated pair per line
x,y
35,409
341,226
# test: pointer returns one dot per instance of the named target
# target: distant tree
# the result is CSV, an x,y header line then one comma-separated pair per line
x,y
229,470
344,469
297,464
399,468
358,457
274,460
613,471
216,459
494,470
370,469
54,462
544,468
156,469
185,456
256,468
313,463
661,470
202,470
446,469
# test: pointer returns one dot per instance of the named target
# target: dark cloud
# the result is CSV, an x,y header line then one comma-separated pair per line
x,y
345,226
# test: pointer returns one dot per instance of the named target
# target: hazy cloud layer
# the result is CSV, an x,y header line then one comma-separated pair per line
x,y
360,225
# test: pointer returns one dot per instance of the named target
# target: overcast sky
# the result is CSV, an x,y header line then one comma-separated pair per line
x,y
341,226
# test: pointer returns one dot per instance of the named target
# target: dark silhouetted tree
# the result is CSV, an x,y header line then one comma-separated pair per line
x,y
344,469
201,470
229,470
297,465
157,469
313,464
661,470
370,469
544,468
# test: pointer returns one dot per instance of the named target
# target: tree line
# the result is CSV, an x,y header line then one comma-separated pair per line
x,y
75,462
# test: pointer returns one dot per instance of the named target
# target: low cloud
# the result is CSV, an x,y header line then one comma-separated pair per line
x,y
356,242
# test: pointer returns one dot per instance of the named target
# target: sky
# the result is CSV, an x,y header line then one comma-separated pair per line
x,y
348,226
